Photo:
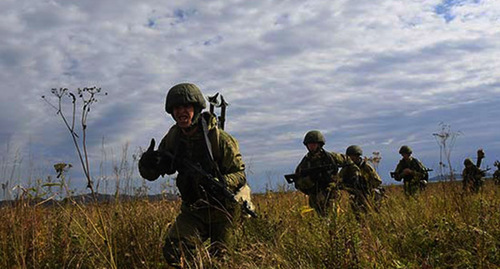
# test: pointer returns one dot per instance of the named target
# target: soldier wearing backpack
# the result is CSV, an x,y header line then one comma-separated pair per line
x,y
205,214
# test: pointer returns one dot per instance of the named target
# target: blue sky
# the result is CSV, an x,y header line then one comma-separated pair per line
x,y
379,74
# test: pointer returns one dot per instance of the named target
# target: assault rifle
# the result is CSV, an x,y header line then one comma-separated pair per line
x,y
214,186
328,168
483,171
393,174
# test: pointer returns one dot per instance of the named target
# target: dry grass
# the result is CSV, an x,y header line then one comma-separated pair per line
x,y
441,228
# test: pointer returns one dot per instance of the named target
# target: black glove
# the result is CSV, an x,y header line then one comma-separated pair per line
x,y
150,158
148,164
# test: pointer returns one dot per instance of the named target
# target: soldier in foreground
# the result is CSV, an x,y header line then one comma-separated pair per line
x,y
411,171
316,174
210,170
361,182
472,175
496,175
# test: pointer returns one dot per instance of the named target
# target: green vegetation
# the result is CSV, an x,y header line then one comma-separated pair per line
x,y
440,228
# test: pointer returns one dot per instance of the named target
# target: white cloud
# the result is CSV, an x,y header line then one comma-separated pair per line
x,y
377,74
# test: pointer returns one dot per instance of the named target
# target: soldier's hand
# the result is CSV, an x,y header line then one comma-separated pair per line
x,y
150,157
480,153
148,163
407,172
151,145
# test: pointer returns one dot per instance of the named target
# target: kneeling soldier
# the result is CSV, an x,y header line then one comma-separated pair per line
x,y
206,212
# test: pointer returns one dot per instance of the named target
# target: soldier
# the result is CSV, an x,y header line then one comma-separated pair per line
x,y
496,175
361,181
195,137
411,171
320,184
472,175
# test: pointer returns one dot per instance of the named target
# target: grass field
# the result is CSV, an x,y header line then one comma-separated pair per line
x,y
440,228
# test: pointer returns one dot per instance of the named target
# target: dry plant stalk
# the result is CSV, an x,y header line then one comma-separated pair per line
x,y
88,97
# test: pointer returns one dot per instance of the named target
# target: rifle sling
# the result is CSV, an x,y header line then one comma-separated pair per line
x,y
209,150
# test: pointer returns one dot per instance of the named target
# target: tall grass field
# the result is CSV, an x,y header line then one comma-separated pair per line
x,y
439,228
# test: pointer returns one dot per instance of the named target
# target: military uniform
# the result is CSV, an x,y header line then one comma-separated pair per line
x,y
472,177
496,175
321,187
361,181
203,215
417,178
413,181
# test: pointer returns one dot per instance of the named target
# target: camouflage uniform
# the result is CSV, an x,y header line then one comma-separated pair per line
x,y
362,183
202,215
472,177
496,176
417,179
320,187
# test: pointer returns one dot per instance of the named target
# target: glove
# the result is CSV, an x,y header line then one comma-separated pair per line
x,y
150,158
148,164
480,154
407,172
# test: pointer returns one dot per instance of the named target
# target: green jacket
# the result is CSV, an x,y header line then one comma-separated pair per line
x,y
496,175
321,181
225,152
472,175
365,175
418,170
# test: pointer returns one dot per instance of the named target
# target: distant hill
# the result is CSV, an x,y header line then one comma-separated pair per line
x,y
458,177
444,178
101,198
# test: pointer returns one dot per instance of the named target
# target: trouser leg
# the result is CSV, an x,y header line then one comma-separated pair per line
x,y
322,202
182,237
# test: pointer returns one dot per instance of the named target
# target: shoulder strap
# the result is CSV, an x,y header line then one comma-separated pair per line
x,y
207,141
210,146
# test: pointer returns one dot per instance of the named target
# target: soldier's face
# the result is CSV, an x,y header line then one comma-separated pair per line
x,y
183,115
406,156
354,158
312,147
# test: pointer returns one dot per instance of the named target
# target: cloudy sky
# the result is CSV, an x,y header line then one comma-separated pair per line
x,y
379,74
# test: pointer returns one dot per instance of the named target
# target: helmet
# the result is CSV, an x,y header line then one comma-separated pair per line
x,y
405,150
468,161
183,94
314,136
354,150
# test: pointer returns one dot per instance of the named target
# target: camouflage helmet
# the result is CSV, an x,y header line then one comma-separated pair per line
x,y
314,136
183,94
468,161
354,150
405,150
